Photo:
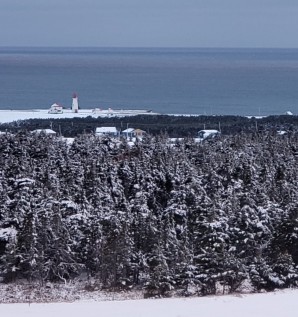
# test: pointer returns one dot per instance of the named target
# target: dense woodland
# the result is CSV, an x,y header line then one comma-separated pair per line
x,y
190,217
174,126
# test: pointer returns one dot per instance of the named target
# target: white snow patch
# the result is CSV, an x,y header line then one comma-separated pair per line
x,y
276,304
45,131
281,132
69,204
7,233
69,141
289,113
24,181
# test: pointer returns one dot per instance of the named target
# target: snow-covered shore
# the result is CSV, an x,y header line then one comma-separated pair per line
x,y
15,115
276,304
7,116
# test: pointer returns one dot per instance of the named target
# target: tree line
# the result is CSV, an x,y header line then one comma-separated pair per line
x,y
174,126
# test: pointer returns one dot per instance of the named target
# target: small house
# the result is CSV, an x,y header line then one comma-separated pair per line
x,y
207,134
133,133
55,109
107,131
44,131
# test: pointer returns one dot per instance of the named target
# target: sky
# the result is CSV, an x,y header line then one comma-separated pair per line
x,y
149,23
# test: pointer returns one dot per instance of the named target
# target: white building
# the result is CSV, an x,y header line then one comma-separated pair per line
x,y
55,108
107,131
208,134
75,103
133,133
44,131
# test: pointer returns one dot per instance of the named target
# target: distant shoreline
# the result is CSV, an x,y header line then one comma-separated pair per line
x,y
7,116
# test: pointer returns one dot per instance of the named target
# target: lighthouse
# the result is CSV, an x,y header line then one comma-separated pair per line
x,y
75,103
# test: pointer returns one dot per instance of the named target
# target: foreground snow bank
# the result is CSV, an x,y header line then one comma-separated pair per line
x,y
277,304
24,292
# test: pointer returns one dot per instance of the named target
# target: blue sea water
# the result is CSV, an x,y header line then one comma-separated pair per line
x,y
194,81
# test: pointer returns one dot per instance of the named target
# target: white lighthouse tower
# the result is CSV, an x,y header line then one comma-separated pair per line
x,y
75,103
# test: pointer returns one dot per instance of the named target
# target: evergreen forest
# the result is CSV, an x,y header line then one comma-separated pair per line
x,y
185,216
174,126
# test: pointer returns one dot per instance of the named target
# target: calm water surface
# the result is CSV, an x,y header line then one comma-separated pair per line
x,y
195,81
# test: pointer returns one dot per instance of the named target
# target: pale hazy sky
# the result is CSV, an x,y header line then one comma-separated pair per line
x,y
145,23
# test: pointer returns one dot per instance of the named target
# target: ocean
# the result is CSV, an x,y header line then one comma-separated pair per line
x,y
171,81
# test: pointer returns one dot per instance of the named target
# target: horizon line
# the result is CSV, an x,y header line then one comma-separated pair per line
x,y
146,47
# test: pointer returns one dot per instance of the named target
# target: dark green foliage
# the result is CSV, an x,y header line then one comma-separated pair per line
x,y
192,217
173,126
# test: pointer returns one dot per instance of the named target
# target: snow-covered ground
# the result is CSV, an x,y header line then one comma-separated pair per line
x,y
14,115
276,304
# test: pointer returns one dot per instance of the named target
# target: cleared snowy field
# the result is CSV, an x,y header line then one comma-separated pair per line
x,y
276,304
